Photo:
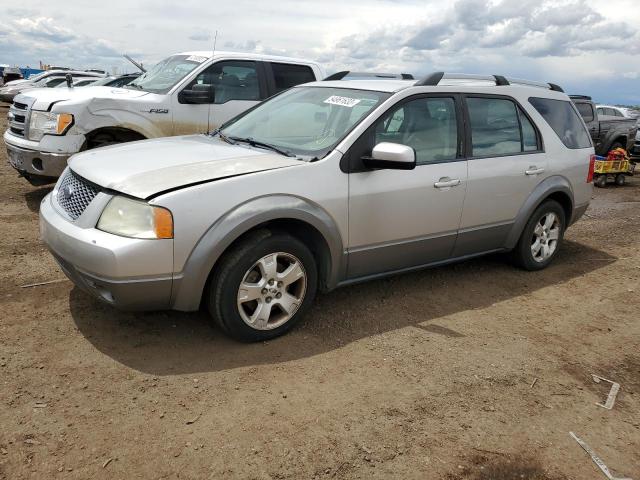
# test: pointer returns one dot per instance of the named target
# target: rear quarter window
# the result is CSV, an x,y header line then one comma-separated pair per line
x,y
563,118
586,110
288,75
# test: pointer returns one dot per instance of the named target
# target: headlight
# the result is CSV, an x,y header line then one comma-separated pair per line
x,y
47,123
136,219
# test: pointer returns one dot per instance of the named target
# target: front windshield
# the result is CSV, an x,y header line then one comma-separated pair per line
x,y
305,121
103,81
35,78
163,76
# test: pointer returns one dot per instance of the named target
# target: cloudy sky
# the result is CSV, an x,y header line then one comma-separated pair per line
x,y
587,46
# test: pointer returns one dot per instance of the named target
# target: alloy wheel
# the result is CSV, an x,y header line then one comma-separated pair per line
x,y
271,291
545,237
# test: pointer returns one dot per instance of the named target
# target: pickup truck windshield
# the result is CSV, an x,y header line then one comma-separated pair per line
x,y
164,75
305,121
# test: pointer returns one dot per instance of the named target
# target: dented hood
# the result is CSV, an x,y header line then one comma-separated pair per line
x,y
44,97
148,167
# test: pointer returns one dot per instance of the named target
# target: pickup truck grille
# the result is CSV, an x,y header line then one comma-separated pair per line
x,y
18,114
75,194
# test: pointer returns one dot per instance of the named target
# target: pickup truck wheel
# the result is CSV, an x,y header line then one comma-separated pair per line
x,y
262,288
615,145
541,237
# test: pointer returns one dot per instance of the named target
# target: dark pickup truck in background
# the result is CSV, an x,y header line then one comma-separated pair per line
x,y
607,133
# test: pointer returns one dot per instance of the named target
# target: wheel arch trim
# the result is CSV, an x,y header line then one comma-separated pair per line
x,y
548,187
189,284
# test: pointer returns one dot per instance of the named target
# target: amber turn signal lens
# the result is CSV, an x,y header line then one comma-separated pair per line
x,y
64,121
163,222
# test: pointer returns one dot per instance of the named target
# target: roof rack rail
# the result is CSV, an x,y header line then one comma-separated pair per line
x,y
386,76
434,79
581,97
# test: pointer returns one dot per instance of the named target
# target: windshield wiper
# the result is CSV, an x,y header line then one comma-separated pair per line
x,y
218,131
257,143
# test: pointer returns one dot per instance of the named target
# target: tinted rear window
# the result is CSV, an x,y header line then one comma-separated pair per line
x,y
586,110
288,75
564,120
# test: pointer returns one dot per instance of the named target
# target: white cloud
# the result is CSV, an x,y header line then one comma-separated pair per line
x,y
580,43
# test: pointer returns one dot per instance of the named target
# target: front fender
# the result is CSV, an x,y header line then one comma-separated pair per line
x,y
547,187
102,114
189,285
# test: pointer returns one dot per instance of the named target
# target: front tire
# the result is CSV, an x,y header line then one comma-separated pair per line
x,y
263,286
541,237
620,179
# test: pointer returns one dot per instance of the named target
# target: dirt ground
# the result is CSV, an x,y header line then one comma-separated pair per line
x,y
475,371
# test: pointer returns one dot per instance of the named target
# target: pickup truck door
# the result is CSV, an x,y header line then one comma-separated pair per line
x,y
236,86
400,219
590,117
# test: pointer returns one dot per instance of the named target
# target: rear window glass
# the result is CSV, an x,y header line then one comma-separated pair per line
x,y
586,110
564,120
288,75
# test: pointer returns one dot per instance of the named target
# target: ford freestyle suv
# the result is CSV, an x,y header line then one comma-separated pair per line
x,y
190,92
323,185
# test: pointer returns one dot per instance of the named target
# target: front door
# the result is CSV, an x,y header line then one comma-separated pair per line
x,y
237,85
401,219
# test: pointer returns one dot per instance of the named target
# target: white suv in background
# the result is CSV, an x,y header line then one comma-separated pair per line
x,y
326,184
191,92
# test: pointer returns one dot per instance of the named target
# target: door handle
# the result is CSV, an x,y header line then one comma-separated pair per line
x,y
533,170
446,182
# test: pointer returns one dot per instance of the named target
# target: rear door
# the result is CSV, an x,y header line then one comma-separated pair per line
x,y
400,219
282,76
506,162
590,118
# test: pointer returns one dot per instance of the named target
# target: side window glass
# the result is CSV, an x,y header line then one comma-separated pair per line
x,y
287,75
586,110
495,128
230,80
428,125
530,141
563,118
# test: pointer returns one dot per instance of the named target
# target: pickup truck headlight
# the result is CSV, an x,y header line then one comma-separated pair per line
x,y
136,219
48,123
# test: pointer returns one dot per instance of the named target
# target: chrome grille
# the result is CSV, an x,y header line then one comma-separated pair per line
x,y
75,194
18,118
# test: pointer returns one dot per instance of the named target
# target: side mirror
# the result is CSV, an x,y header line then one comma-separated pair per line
x,y
393,156
198,94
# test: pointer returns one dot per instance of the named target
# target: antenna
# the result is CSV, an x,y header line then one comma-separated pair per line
x,y
215,40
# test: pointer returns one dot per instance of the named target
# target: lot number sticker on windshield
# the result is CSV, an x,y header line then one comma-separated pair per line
x,y
342,101
196,58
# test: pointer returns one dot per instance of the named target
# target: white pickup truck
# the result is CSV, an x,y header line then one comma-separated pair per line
x,y
186,93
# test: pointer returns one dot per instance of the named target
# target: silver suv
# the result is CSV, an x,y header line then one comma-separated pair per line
x,y
323,185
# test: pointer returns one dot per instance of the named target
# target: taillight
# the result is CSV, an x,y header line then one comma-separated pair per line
x,y
592,165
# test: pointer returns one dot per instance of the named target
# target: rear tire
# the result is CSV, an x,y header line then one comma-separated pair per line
x,y
620,179
541,238
263,286
600,181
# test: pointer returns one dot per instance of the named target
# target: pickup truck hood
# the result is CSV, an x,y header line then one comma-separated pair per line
x,y
17,82
148,167
44,97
